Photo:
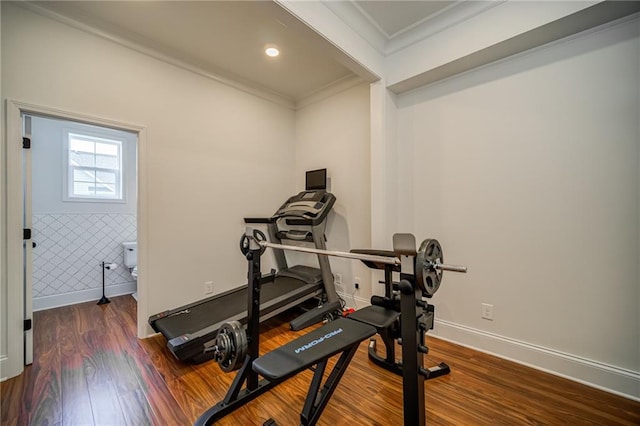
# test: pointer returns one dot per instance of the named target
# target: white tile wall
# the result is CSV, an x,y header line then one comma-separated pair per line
x,y
70,248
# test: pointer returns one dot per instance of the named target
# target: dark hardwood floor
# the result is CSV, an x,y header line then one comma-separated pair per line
x,y
90,369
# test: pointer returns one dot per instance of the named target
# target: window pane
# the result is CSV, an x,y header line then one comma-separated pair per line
x,y
107,162
104,190
107,148
83,189
76,144
106,177
82,159
80,175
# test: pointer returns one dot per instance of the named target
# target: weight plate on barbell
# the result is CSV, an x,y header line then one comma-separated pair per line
x,y
428,277
258,235
232,346
222,348
242,344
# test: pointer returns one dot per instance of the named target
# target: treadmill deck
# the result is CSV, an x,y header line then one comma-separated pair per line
x,y
187,330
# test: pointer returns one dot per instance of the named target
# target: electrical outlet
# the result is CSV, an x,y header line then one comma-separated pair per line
x,y
337,279
487,311
208,287
357,283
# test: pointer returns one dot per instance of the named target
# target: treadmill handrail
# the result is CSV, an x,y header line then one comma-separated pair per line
x,y
258,220
297,207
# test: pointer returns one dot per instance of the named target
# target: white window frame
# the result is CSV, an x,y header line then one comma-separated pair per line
x,y
68,179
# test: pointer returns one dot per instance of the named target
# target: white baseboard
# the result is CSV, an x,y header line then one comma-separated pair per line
x,y
353,300
65,299
606,377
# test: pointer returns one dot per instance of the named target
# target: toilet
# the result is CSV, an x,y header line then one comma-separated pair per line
x,y
130,254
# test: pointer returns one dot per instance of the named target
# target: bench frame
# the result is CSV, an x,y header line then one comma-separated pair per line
x,y
318,396
247,384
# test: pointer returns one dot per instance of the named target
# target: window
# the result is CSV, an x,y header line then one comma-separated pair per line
x,y
94,168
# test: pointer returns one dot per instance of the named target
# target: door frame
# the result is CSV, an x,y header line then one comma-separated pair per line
x,y
13,364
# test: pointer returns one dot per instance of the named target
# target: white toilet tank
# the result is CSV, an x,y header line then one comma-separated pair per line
x,y
130,254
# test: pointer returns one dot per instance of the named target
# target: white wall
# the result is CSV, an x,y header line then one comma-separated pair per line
x,y
334,133
213,154
527,171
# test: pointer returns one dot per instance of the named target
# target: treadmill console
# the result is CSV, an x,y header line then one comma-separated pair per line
x,y
313,205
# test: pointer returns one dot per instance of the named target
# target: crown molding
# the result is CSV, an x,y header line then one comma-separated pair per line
x,y
329,90
360,22
386,44
444,19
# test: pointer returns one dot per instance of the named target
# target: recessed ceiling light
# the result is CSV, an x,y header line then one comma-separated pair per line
x,y
272,51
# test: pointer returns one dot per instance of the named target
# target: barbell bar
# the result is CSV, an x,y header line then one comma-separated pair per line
x,y
359,256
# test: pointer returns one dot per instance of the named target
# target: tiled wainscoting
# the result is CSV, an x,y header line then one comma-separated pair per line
x,y
67,257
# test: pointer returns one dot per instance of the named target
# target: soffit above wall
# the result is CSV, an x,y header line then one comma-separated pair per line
x,y
410,34
587,18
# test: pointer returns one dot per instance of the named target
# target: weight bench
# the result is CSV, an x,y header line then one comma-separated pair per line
x,y
314,349
420,275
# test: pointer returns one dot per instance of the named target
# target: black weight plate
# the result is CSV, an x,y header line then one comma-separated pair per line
x,y
242,345
232,346
244,244
223,348
258,235
428,278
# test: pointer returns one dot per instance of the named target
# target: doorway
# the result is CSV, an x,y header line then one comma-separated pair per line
x,y
83,193
18,305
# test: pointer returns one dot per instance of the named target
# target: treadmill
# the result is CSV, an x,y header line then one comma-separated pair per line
x,y
191,328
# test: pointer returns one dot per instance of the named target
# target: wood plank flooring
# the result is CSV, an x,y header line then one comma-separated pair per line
x,y
90,369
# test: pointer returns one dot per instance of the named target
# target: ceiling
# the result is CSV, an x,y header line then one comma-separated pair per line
x,y
226,39
396,17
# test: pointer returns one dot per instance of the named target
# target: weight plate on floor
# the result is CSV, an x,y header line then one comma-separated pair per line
x,y
245,245
242,344
428,277
223,348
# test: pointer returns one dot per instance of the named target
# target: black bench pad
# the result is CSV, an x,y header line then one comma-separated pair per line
x,y
307,350
377,316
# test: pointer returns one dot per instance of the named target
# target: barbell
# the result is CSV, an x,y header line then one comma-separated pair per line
x,y
231,344
429,258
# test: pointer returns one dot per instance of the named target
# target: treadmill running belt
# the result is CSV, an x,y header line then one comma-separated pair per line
x,y
220,309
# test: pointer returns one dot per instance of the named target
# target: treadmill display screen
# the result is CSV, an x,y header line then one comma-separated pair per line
x,y
316,179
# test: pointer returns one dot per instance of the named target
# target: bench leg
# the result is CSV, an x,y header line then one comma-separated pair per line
x,y
236,395
317,397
